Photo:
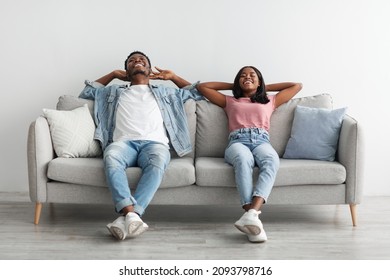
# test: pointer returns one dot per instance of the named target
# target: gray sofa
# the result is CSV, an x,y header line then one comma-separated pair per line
x,y
202,177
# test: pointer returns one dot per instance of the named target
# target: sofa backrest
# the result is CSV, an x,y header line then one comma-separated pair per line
x,y
70,102
212,126
208,123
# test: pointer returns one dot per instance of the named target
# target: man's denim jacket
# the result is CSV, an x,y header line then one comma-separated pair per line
x,y
170,101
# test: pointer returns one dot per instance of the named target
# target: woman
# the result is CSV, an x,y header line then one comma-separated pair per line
x,y
249,113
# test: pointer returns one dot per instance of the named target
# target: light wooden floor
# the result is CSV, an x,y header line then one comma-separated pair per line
x,y
295,233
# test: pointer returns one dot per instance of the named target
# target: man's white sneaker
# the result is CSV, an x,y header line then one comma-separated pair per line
x,y
250,223
134,225
117,228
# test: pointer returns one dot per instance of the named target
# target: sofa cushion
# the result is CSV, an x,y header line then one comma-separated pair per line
x,y
212,127
315,133
70,102
90,171
211,171
72,132
211,130
282,118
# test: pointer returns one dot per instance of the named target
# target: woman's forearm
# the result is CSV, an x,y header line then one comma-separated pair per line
x,y
217,85
279,86
210,90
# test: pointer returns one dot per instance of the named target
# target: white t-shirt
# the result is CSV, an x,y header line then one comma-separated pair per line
x,y
138,116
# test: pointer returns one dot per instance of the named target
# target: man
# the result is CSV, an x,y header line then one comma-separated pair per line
x,y
135,123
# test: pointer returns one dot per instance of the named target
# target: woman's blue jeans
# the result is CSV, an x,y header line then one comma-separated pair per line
x,y
249,147
152,157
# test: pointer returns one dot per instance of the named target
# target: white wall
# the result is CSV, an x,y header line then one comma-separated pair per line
x,y
49,47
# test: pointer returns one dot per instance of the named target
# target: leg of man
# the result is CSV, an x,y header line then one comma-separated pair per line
x,y
153,158
118,156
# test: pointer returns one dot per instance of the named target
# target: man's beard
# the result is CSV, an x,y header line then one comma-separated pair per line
x,y
139,71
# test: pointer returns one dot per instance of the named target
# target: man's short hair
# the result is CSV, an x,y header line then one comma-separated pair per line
x,y
137,52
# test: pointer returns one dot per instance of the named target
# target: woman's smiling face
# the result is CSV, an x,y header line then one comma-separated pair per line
x,y
249,81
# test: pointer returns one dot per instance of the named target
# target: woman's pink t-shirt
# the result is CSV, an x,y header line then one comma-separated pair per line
x,y
243,113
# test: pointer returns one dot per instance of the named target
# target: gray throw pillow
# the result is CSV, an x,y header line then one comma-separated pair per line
x,y
315,133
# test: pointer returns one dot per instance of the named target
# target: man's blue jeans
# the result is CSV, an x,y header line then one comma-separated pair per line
x,y
247,147
152,157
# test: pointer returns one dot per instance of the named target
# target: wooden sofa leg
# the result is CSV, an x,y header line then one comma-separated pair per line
x,y
38,209
352,207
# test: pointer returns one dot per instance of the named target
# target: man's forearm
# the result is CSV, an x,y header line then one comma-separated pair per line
x,y
106,79
179,81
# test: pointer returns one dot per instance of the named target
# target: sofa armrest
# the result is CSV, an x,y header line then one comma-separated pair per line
x,y
351,155
39,153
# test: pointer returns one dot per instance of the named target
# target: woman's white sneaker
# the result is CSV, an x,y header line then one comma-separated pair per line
x,y
262,237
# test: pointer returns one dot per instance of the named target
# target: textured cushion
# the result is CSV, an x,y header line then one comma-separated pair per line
x,y
315,133
72,132
282,118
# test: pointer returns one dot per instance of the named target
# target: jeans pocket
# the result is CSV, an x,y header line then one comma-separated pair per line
x,y
236,136
265,136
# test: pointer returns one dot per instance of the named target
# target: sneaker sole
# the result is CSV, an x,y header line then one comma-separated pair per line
x,y
135,228
255,239
117,232
138,232
248,229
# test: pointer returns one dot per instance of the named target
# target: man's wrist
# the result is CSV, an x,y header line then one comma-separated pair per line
x,y
174,77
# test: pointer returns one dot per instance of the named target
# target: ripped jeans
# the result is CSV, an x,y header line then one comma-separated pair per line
x,y
152,157
249,147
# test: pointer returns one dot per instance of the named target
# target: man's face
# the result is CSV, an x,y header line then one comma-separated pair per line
x,y
137,64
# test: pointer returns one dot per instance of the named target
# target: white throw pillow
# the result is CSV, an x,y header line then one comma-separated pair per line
x,y
72,132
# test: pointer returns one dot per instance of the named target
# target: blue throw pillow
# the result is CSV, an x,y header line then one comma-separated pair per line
x,y
314,133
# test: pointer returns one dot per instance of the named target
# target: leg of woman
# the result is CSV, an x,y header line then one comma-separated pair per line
x,y
268,162
241,158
